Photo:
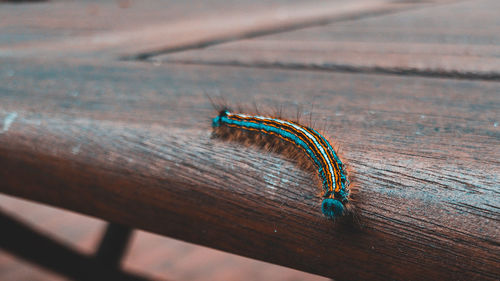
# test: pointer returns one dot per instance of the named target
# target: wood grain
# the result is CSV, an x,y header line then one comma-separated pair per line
x,y
130,143
459,40
109,31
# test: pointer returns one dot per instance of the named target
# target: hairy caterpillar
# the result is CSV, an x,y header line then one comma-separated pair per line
x,y
278,134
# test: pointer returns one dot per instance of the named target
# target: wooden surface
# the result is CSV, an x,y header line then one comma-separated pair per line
x,y
85,29
129,142
460,40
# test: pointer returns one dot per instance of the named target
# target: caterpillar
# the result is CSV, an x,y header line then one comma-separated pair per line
x,y
278,134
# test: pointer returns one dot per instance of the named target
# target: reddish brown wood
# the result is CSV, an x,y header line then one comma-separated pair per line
x,y
107,30
130,143
31,24
454,40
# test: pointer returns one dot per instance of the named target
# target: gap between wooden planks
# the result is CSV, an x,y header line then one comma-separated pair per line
x,y
207,30
459,40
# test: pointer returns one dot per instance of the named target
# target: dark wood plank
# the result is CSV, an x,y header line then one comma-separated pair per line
x,y
130,143
140,30
455,40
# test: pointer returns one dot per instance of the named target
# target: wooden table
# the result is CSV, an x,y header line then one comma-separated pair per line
x,y
105,112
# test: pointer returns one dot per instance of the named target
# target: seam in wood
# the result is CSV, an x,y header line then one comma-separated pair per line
x,y
346,68
279,29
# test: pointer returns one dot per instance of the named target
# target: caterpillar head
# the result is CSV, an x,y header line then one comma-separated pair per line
x,y
332,208
216,122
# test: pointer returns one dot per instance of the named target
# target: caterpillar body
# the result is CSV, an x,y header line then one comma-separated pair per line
x,y
273,132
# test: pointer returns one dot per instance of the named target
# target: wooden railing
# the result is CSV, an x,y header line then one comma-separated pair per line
x,y
130,142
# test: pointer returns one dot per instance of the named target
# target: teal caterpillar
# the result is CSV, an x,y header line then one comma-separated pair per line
x,y
330,168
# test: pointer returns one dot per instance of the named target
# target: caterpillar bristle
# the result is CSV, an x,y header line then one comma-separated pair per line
x,y
276,135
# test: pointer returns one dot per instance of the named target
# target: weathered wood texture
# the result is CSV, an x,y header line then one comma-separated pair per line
x,y
455,40
140,30
130,143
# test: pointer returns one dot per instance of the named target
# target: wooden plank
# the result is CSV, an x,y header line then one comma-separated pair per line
x,y
456,40
130,143
29,24
141,31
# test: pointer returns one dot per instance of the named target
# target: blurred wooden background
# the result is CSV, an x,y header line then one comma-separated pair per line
x,y
103,111
151,255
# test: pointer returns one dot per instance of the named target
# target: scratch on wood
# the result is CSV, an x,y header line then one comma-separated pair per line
x,y
76,149
9,119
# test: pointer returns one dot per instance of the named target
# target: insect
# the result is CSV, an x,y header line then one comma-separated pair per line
x,y
273,133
